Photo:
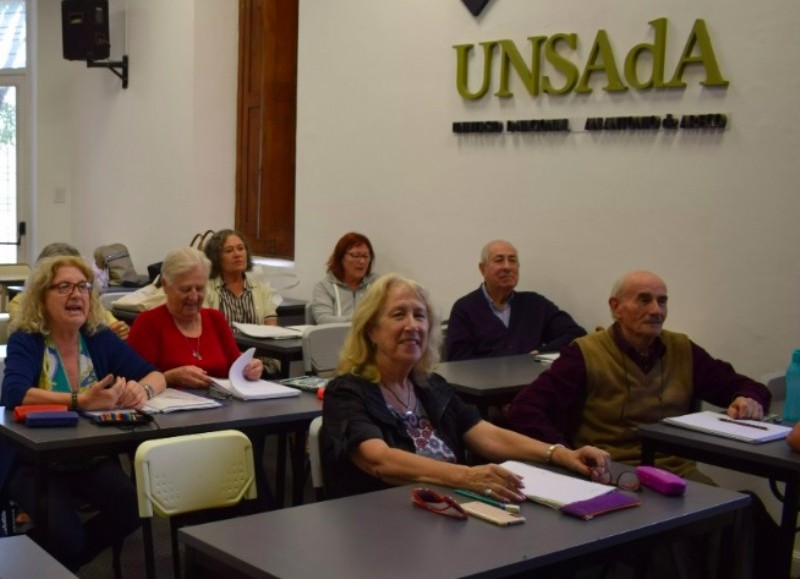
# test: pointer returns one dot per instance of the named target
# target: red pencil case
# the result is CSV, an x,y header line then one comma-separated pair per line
x,y
48,419
20,412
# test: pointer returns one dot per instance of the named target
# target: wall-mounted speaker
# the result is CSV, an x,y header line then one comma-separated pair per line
x,y
84,25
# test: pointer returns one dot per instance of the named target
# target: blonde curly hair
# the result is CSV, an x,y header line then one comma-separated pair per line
x,y
32,318
358,352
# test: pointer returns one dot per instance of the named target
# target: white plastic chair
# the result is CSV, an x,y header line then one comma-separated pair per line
x,y
315,458
184,474
321,346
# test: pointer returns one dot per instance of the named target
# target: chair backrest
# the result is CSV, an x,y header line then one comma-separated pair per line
x,y
776,382
5,319
321,346
194,472
309,315
315,457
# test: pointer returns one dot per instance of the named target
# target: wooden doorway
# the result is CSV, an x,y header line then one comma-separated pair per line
x,y
267,118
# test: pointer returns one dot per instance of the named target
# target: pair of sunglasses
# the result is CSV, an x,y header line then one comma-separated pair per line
x,y
436,503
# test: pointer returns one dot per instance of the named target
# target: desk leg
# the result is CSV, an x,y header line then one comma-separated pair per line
x,y
791,501
41,484
280,470
648,453
299,466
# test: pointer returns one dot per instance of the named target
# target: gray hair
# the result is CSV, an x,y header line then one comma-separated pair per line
x,y
485,250
179,261
57,249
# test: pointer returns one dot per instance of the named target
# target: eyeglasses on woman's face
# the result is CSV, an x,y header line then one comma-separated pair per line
x,y
66,288
436,503
356,256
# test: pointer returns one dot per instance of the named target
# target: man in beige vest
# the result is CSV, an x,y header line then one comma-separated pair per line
x,y
635,372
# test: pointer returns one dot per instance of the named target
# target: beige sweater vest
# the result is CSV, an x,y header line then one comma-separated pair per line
x,y
619,396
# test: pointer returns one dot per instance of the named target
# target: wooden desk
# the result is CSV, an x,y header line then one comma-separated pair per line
x,y
24,559
280,416
489,382
381,534
773,460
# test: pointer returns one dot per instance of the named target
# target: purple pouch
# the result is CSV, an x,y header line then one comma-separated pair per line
x,y
606,503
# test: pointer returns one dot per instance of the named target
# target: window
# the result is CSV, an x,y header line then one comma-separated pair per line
x,y
13,63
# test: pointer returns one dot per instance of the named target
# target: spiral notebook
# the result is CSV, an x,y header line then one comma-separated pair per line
x,y
753,431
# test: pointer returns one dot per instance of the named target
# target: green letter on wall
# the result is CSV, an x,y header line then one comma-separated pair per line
x,y
706,58
530,78
656,50
601,49
462,84
569,70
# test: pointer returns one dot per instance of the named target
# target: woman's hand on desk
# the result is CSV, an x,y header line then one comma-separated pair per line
x,y
504,484
187,377
587,460
133,395
102,395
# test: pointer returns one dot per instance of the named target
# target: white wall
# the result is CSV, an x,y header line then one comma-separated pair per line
x,y
713,214
149,165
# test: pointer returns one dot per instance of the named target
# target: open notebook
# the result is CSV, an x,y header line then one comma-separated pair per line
x,y
172,400
244,389
709,422
270,332
553,489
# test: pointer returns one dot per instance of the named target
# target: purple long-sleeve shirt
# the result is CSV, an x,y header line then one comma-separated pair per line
x,y
550,409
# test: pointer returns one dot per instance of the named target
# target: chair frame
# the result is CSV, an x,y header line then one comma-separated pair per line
x,y
185,492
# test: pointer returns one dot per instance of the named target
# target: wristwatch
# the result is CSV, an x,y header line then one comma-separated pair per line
x,y
73,404
149,390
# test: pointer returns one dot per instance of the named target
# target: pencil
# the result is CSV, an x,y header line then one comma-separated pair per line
x,y
508,507
740,423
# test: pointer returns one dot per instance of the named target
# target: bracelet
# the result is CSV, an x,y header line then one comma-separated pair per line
x,y
148,390
73,405
548,456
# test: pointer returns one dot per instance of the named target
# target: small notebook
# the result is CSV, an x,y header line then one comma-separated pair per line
x,y
553,489
245,389
172,400
753,431
268,332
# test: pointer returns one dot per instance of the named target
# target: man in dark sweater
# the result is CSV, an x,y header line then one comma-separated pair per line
x,y
495,320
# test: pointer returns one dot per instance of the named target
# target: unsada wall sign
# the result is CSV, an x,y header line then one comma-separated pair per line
x,y
632,71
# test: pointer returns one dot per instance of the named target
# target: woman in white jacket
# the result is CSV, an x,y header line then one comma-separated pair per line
x,y
349,276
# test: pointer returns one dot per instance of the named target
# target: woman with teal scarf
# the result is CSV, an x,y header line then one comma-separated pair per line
x,y
61,353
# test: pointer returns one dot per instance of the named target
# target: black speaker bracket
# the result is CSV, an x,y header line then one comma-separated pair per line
x,y
118,67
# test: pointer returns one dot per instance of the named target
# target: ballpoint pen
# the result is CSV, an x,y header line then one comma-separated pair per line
x,y
508,507
740,423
